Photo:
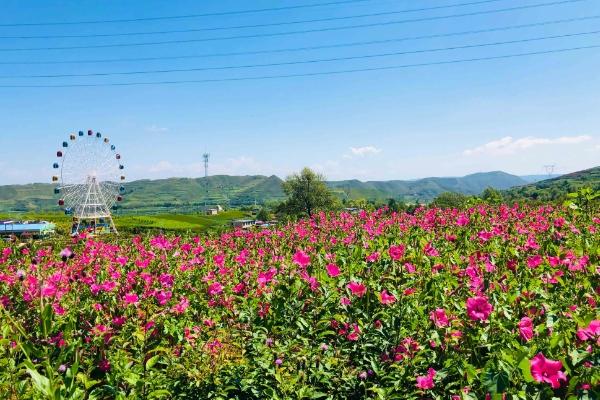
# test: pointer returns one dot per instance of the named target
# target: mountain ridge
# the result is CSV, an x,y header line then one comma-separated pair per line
x,y
171,193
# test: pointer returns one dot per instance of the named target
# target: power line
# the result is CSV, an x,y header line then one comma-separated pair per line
x,y
300,62
309,74
328,29
306,48
215,14
379,14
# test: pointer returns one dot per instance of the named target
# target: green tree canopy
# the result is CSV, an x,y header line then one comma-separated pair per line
x,y
306,194
263,215
450,200
491,196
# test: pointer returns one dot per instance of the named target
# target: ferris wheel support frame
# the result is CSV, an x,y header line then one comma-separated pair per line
x,y
99,208
90,181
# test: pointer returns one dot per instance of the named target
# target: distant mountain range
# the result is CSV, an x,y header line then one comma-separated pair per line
x,y
181,193
537,178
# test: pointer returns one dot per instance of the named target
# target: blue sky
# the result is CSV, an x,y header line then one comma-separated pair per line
x,y
513,114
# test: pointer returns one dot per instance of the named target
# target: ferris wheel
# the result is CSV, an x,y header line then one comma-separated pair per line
x,y
89,178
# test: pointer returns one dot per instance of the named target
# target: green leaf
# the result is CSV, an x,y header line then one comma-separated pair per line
x,y
152,361
157,394
495,381
41,382
525,366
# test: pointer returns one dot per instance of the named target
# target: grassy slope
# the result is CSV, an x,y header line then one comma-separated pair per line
x,y
556,188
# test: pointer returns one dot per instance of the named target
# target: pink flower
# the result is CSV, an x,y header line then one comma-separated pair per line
x,y
526,328
215,289
478,308
104,365
166,280
546,370
266,277
48,290
462,220
345,301
430,251
301,258
534,261
439,318
386,298
591,332
180,307
163,297
357,289
396,252
353,336
66,253
425,382
332,270
130,298
373,257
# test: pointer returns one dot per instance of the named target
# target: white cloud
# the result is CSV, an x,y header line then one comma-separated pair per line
x,y
510,145
363,151
156,129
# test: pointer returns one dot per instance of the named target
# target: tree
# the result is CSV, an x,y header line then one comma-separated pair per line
x,y
263,215
306,193
491,196
395,206
450,200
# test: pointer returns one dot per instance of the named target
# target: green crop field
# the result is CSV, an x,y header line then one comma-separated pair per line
x,y
141,223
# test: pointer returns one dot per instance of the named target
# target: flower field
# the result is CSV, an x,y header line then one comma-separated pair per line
x,y
493,302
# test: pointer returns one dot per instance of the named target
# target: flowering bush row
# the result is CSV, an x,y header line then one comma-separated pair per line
x,y
492,302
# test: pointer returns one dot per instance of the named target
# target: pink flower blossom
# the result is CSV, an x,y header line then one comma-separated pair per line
x,y
591,332
301,258
354,334
130,298
425,382
357,289
266,277
332,270
180,307
439,318
386,298
546,370
66,253
215,289
430,251
163,297
478,308
373,257
49,290
396,252
462,220
104,365
534,261
526,328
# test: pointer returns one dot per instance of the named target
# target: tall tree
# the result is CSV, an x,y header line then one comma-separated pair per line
x,y
306,193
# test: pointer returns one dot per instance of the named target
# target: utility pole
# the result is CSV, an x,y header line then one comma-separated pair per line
x,y
549,169
205,156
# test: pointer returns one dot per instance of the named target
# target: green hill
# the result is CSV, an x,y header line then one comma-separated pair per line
x,y
425,190
188,194
556,188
